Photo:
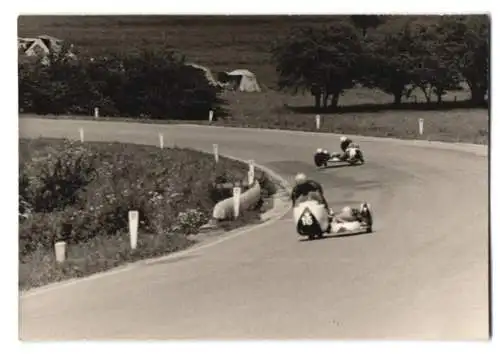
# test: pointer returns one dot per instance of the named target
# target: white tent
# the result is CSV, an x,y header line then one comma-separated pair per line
x,y
247,80
41,46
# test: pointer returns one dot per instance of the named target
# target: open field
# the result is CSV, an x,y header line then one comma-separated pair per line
x,y
221,43
82,194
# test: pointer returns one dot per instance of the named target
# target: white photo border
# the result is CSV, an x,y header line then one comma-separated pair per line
x,y
9,301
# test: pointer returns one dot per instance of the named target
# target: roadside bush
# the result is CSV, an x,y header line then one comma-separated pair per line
x,y
189,221
38,231
51,182
147,83
59,88
77,193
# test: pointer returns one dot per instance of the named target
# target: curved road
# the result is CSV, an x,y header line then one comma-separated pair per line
x,y
422,274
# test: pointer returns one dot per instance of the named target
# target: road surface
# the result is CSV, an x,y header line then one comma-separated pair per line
x,y
422,274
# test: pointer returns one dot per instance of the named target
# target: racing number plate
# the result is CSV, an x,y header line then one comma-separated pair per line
x,y
307,219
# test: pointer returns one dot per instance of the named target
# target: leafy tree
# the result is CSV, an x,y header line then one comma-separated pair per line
x,y
432,53
323,61
436,72
389,61
467,40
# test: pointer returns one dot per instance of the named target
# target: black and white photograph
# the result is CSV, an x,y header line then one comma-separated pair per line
x,y
254,177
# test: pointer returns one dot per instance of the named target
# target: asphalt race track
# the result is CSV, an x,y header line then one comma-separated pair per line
x,y
422,274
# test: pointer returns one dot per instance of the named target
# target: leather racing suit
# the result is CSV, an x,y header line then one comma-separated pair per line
x,y
311,189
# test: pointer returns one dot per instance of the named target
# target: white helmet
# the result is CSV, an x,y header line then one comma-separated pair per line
x,y
325,151
347,210
300,178
343,138
319,151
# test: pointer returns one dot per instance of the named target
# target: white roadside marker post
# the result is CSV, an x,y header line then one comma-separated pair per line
x,y
96,112
216,152
421,126
82,138
133,224
60,249
318,121
236,201
251,172
160,135
210,116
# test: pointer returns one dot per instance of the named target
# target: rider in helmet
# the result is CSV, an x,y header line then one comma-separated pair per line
x,y
305,186
344,144
348,214
321,157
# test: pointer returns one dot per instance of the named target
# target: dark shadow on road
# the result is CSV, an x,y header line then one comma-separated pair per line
x,y
338,165
381,107
174,259
343,235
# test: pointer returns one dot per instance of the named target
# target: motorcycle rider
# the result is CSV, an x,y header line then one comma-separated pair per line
x,y
346,143
348,214
306,187
321,157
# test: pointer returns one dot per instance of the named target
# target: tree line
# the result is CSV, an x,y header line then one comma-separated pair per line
x,y
396,54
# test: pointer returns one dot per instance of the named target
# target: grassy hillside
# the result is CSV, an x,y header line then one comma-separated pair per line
x,y
219,42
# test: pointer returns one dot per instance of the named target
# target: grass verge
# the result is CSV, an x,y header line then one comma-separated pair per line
x,y
81,194
454,125
274,110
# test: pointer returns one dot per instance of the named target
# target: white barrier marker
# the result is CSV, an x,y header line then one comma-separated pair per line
x,y
96,112
421,126
133,224
60,248
161,140
216,152
81,135
251,172
210,116
318,121
236,201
